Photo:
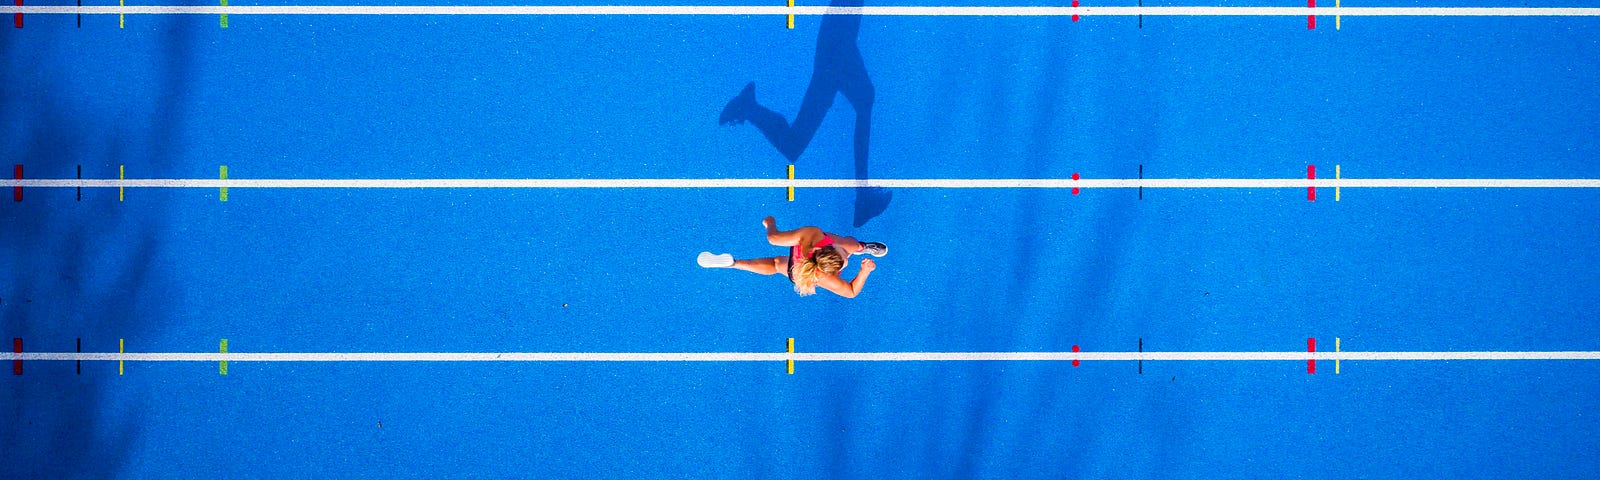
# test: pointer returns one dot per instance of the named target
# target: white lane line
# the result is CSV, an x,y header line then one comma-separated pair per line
x,y
806,10
812,183
808,356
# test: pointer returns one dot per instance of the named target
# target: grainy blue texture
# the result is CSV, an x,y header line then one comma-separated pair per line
x,y
971,270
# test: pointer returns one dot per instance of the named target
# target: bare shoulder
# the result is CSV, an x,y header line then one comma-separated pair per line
x,y
836,285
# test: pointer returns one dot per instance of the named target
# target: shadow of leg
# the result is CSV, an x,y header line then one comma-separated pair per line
x,y
838,70
857,88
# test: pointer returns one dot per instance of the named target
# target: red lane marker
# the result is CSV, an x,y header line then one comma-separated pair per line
x,y
1311,20
16,365
16,192
1074,176
1311,364
1311,174
1074,350
19,15
1074,16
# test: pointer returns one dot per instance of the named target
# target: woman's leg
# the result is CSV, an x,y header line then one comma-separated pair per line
x,y
849,244
857,247
789,238
764,266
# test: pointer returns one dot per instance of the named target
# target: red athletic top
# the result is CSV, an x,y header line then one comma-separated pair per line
x,y
794,253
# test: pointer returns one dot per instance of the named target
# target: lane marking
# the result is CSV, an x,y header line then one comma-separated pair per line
x,y
1336,176
1336,20
809,357
122,171
791,15
791,356
1074,179
1336,350
955,11
80,177
1311,20
1074,359
16,192
121,21
1311,191
1074,5
1311,365
223,349
811,183
1141,350
80,362
224,178
791,182
119,356
19,15
224,16
16,349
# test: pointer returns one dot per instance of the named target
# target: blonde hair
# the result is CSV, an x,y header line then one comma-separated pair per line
x,y
827,260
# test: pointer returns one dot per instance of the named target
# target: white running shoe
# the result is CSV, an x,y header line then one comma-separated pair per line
x,y
708,260
875,249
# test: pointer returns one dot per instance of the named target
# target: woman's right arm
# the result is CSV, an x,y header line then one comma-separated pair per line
x,y
849,290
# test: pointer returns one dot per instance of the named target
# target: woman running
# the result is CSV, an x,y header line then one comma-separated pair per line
x,y
815,259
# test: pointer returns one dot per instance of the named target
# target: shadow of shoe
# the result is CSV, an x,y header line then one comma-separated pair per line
x,y
871,202
738,109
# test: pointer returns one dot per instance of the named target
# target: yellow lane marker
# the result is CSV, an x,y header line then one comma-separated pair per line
x,y
224,348
791,16
1336,174
791,355
791,184
1336,27
122,173
119,355
224,177
1336,347
121,22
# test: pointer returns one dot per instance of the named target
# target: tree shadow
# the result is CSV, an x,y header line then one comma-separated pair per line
x,y
76,270
838,70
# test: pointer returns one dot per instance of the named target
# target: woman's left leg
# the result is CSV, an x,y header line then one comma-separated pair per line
x,y
764,266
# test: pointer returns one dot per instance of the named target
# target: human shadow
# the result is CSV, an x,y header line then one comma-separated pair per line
x,y
838,70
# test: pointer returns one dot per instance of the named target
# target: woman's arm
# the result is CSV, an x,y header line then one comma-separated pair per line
x,y
849,290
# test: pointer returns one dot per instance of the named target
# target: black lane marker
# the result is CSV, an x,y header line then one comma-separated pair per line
x,y
80,167
80,362
1141,184
1141,16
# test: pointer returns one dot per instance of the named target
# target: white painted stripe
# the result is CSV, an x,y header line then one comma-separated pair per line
x,y
812,183
805,357
806,10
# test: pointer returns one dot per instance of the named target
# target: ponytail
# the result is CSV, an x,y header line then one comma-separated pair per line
x,y
806,274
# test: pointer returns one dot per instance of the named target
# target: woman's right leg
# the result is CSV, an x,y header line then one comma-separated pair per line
x,y
857,247
792,237
849,244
